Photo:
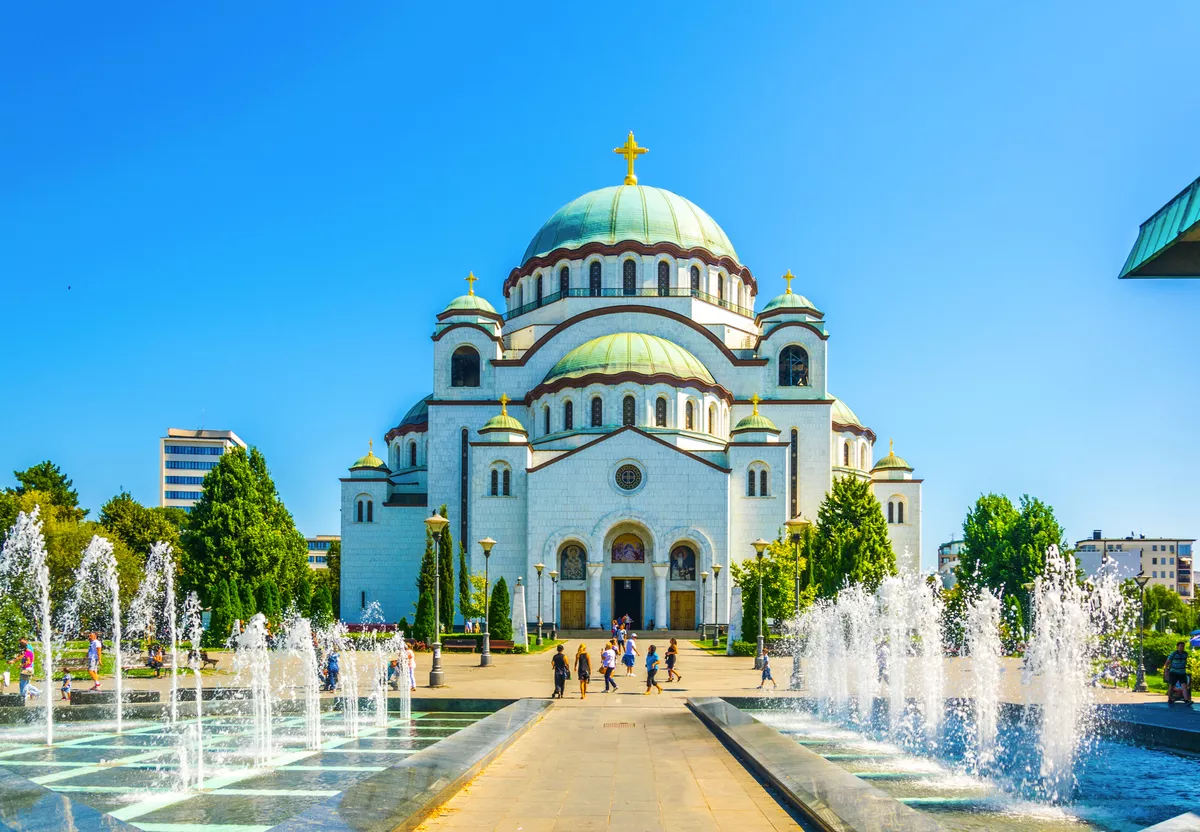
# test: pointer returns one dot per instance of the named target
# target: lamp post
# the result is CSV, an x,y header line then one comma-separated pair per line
x,y
797,528
716,602
1142,579
760,546
703,601
435,523
553,605
485,654
539,567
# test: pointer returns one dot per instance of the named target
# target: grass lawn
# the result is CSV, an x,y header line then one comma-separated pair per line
x,y
707,647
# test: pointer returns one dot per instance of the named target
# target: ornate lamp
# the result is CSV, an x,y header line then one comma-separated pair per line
x,y
716,602
703,602
553,605
1142,579
485,654
760,546
539,567
797,529
435,523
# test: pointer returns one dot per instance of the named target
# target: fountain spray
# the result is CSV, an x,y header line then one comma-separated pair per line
x,y
25,575
95,577
195,632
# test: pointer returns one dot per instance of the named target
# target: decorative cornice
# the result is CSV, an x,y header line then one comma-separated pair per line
x,y
824,336
855,429
625,247
625,310
875,480
763,402
364,479
400,430
618,432
520,443
612,379
479,313
437,336
790,310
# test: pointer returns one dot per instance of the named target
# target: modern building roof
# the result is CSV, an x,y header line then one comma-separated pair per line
x,y
624,352
223,435
630,213
1168,244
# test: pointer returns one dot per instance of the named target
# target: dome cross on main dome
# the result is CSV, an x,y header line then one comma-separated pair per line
x,y
631,151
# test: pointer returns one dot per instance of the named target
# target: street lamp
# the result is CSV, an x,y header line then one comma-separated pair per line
x,y
760,546
553,605
703,601
716,603
539,567
1142,579
435,523
485,654
797,528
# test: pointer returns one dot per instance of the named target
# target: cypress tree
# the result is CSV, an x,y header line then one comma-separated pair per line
x,y
500,612
464,581
446,567
235,600
321,609
249,605
425,581
221,622
423,624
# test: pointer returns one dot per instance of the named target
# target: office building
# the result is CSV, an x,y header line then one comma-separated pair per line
x,y
185,457
318,549
1167,561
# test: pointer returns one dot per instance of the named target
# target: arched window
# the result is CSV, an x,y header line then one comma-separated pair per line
x,y
660,412
564,281
712,419
891,512
517,296
594,279
846,454
539,290
360,511
627,410
689,417
695,278
464,367
862,457
495,492
750,483
507,479
370,511
546,416
900,511
412,454
664,278
793,367
764,481
569,416
597,412
720,287
629,277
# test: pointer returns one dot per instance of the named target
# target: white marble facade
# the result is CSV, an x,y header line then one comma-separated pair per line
x,y
633,510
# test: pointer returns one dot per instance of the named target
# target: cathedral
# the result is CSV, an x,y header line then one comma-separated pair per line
x,y
632,421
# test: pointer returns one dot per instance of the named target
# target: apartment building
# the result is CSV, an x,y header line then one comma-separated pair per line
x,y
185,457
1167,561
318,549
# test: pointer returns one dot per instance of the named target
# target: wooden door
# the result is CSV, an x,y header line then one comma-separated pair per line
x,y
572,609
683,610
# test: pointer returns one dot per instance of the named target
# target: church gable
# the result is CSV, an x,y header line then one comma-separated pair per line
x,y
621,438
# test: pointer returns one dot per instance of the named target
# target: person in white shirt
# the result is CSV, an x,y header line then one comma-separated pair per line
x,y
608,662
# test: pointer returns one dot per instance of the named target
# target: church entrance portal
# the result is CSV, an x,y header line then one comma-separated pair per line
x,y
627,600
573,606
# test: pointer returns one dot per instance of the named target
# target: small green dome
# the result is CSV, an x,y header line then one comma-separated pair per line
x,y
789,300
841,414
755,421
891,461
630,212
624,352
370,460
502,421
468,304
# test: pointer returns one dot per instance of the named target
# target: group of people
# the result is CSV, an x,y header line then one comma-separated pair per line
x,y
25,660
329,668
619,644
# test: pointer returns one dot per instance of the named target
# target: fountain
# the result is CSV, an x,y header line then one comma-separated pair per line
x,y
153,609
96,582
982,640
405,710
195,632
253,657
300,643
25,576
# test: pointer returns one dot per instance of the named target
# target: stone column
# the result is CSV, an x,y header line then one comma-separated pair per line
x,y
662,612
593,616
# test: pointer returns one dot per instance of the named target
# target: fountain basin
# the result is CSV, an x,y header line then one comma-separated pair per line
x,y
109,697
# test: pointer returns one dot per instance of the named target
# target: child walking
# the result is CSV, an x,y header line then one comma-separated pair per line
x,y
766,672
66,685
651,670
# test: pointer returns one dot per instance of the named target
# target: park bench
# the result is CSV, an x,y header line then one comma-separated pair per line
x,y
460,645
500,644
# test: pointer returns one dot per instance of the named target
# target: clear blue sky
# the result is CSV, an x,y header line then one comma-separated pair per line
x,y
259,210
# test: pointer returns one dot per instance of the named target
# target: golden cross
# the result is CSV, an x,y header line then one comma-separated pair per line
x,y
789,277
754,400
470,278
891,447
370,446
630,151
504,400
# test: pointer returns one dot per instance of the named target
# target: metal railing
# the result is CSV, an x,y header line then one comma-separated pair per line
x,y
628,293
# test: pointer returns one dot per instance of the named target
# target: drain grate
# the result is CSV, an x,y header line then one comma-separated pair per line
x,y
620,725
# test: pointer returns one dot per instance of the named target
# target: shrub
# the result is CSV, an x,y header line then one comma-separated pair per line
x,y
500,612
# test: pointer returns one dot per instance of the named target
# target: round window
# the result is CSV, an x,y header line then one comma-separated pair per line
x,y
629,477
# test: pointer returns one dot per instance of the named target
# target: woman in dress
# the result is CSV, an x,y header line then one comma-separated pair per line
x,y
583,669
672,657
561,671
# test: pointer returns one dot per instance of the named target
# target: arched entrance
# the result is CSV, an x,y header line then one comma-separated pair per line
x,y
572,593
682,579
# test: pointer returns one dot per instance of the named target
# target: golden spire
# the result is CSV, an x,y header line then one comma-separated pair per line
x,y
630,151
891,447
470,278
789,277
754,400
370,446
504,400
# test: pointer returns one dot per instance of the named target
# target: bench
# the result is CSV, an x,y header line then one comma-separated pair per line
x,y
499,644
205,661
460,645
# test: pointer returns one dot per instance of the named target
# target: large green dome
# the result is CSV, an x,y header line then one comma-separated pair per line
x,y
625,352
630,212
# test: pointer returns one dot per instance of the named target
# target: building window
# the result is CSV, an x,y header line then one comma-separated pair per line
x,y
763,483
689,416
517,296
546,416
660,412
900,512
695,278
846,454
564,281
206,450
712,419
664,278
569,416
412,454
594,279
363,599
370,511
464,367
495,492
1154,548
360,511
188,465
506,478
183,495
597,412
184,480
629,277
628,406
539,290
891,512
793,367
862,457
720,287
750,483
629,477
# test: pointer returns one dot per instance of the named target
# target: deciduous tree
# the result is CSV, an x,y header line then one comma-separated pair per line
x,y
1004,547
851,544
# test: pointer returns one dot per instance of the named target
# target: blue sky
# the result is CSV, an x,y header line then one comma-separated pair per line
x,y
258,212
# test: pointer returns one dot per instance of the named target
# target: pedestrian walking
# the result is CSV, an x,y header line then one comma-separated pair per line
x,y
410,662
562,671
631,653
95,649
626,622
672,658
615,627
608,662
332,667
766,672
25,657
583,669
652,670
66,685
621,638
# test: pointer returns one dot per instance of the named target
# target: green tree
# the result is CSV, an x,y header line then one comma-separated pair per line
x,y
778,570
1164,602
333,572
249,602
500,613
1004,547
446,565
476,602
138,526
220,624
301,600
464,582
13,627
240,527
48,479
321,611
423,621
268,601
851,543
